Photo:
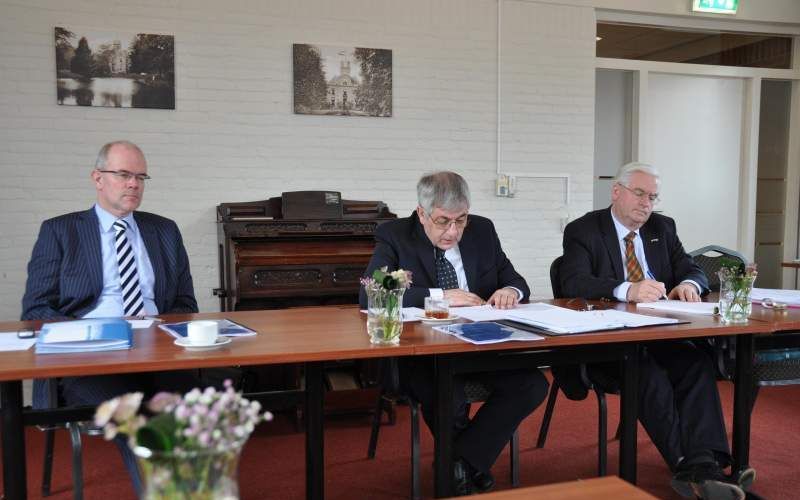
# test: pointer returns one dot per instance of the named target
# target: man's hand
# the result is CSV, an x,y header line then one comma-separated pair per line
x,y
458,297
646,291
685,292
504,298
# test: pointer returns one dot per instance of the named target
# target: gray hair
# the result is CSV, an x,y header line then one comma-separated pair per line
x,y
102,157
624,173
446,190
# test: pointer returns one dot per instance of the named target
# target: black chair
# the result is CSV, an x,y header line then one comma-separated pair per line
x,y
600,390
770,366
391,393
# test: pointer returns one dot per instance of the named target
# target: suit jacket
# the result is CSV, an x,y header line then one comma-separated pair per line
x,y
65,273
592,266
403,244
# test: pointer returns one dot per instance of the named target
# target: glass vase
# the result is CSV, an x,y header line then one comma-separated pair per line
x,y
385,315
735,302
189,475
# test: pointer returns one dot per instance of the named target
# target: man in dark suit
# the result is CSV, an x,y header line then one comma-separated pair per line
x,y
110,261
457,255
629,254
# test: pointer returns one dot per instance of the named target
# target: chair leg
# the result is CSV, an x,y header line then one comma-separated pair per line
x,y
602,436
47,467
415,481
548,414
376,427
513,450
77,462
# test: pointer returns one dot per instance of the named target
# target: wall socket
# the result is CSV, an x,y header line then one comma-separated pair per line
x,y
505,186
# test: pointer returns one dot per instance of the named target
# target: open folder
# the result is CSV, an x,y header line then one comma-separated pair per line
x,y
556,320
86,335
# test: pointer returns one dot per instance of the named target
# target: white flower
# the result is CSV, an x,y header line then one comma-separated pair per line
x,y
105,411
128,406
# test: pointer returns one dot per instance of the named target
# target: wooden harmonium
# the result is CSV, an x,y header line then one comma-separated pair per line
x,y
302,248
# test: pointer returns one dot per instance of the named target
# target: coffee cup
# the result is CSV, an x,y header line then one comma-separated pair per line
x,y
202,332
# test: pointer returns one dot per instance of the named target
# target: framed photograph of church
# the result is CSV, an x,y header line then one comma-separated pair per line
x,y
344,81
120,70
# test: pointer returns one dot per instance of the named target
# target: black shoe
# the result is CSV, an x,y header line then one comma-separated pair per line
x,y
705,480
483,481
462,478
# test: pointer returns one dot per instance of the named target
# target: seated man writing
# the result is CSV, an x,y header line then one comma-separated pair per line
x,y
456,255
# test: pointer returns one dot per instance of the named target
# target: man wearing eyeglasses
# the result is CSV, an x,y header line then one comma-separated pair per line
x,y
630,254
110,261
456,255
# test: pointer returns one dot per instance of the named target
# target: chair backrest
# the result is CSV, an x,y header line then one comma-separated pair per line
x,y
709,259
555,277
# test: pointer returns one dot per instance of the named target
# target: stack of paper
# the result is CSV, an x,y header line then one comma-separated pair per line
x,y
789,297
87,335
559,320
679,306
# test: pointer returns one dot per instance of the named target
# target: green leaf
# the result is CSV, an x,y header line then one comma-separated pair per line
x,y
159,433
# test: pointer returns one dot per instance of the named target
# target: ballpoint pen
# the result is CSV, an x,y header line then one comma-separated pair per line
x,y
650,275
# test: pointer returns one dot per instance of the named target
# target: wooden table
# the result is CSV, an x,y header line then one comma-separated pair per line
x,y
311,336
600,488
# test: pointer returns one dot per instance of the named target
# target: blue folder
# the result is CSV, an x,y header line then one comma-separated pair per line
x,y
86,335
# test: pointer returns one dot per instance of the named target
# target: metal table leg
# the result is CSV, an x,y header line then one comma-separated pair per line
x,y
629,413
743,394
315,444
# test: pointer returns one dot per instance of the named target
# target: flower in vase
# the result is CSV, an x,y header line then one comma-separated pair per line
x,y
384,280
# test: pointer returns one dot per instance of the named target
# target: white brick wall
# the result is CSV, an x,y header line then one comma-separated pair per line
x,y
233,136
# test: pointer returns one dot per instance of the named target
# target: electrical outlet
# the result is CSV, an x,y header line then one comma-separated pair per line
x,y
501,185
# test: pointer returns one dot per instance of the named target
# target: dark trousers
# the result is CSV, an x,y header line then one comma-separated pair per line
x,y
679,404
479,441
79,391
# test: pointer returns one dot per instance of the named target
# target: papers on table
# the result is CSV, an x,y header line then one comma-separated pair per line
x,y
10,342
137,324
489,313
559,321
678,306
86,335
789,297
227,328
487,333
409,313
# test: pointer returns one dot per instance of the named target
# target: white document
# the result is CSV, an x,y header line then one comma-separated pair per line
x,y
10,342
679,306
789,297
409,313
562,320
140,323
489,313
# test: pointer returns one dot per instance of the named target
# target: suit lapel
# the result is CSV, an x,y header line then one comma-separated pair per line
x,y
424,250
612,243
151,243
650,242
90,247
469,258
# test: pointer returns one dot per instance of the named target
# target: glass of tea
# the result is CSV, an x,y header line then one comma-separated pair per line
x,y
437,308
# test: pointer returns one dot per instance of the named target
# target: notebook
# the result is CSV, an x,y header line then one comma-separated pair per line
x,y
86,335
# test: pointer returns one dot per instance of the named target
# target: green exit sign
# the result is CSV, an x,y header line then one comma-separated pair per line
x,y
716,6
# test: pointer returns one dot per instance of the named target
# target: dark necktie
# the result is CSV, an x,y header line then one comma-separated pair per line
x,y
631,262
445,272
128,277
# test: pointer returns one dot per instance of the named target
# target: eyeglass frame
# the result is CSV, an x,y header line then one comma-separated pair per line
x,y
445,225
125,176
654,198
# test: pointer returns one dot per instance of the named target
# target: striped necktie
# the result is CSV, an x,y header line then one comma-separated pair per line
x,y
128,277
631,262
445,272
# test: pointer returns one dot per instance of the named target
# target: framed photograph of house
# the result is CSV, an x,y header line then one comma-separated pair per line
x,y
115,70
345,81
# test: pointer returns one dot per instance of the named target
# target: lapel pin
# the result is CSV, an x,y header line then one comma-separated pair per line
x,y
654,240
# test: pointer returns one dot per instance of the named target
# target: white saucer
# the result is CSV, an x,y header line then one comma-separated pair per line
x,y
221,341
450,318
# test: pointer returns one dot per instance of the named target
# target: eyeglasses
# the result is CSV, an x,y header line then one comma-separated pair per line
x,y
125,176
641,194
443,223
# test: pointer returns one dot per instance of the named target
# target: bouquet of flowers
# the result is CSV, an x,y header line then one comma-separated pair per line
x,y
735,287
385,304
188,445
